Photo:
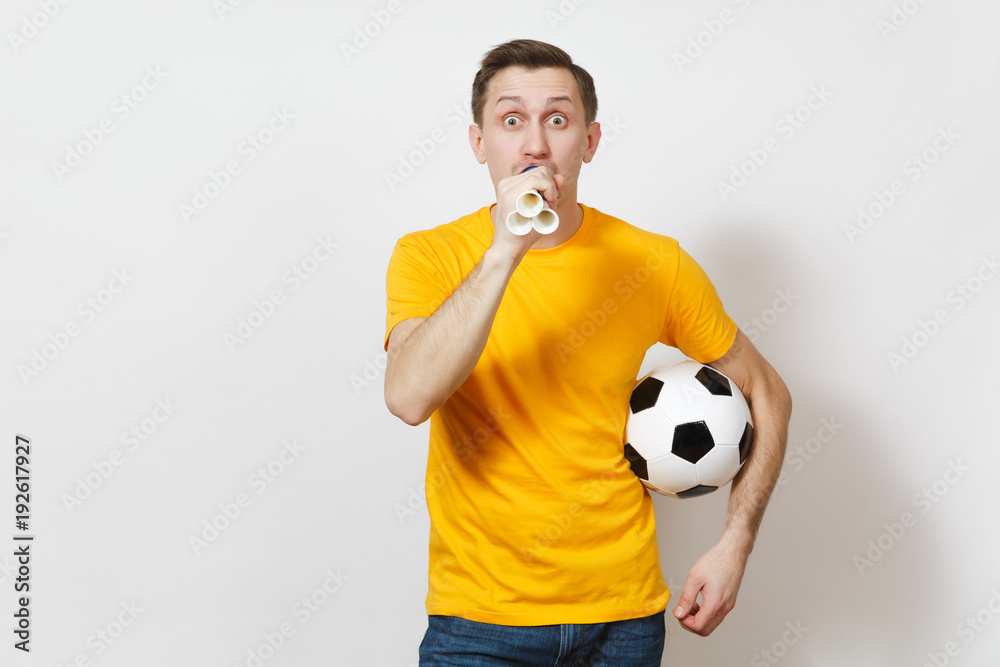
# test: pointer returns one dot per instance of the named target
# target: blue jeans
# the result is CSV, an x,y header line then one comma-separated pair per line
x,y
452,641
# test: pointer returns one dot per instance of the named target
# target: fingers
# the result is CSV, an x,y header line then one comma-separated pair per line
x,y
552,188
700,621
703,619
520,234
559,180
694,617
688,604
549,185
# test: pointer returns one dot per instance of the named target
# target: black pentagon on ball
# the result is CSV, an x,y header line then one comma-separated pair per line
x,y
716,383
746,442
699,490
638,463
692,441
645,394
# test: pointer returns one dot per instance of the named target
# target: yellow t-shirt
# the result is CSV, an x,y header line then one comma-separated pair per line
x,y
536,516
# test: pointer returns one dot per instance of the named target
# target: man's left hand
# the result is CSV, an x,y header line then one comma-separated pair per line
x,y
717,575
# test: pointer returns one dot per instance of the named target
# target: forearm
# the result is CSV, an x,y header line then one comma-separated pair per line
x,y
441,352
770,407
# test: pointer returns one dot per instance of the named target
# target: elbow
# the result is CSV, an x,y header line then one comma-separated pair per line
x,y
406,410
411,418
782,394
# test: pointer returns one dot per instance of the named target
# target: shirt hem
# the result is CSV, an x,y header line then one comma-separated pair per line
x,y
720,350
576,615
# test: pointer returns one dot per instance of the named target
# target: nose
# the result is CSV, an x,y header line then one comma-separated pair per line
x,y
535,143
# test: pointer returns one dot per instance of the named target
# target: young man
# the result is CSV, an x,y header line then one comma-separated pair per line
x,y
523,352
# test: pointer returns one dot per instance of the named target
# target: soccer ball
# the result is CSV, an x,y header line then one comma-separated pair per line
x,y
689,430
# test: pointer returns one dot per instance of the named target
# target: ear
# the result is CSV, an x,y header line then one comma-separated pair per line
x,y
476,141
593,139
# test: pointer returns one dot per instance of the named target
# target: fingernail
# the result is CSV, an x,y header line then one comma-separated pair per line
x,y
678,612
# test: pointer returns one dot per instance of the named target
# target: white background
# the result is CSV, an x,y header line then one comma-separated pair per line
x,y
310,372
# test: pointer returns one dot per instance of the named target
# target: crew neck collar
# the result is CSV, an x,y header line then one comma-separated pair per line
x,y
578,238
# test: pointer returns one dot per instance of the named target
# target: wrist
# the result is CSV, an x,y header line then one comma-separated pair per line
x,y
500,259
738,540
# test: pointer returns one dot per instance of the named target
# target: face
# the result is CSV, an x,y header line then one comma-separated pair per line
x,y
534,118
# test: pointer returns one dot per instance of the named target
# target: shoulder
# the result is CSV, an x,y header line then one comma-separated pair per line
x,y
466,231
611,231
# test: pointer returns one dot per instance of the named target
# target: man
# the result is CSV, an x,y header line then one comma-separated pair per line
x,y
523,351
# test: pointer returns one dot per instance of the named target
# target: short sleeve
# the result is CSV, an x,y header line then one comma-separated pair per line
x,y
413,285
696,322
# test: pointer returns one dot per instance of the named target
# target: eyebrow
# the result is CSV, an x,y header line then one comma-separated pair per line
x,y
517,100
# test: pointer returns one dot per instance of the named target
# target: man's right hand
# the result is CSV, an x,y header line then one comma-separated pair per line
x,y
549,185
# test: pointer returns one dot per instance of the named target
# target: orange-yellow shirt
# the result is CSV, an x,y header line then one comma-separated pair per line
x,y
536,516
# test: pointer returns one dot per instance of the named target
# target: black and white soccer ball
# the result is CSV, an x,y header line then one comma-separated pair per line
x,y
689,430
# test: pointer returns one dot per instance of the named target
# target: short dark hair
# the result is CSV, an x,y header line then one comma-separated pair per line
x,y
531,55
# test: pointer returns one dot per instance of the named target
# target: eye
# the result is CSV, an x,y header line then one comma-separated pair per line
x,y
511,121
559,120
